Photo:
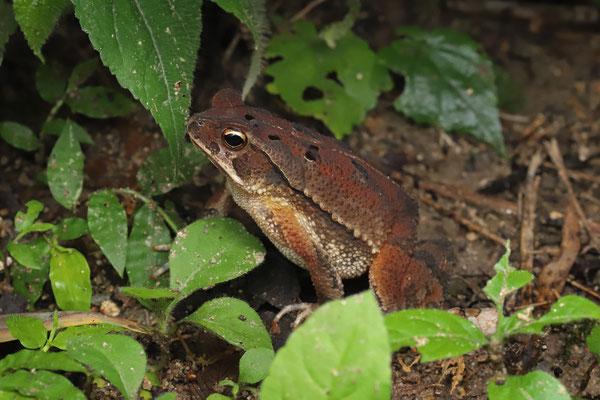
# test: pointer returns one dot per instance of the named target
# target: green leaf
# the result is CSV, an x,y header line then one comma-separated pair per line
x,y
71,228
152,48
32,359
70,278
253,14
19,136
119,359
56,126
108,225
436,334
60,341
449,82
42,385
308,63
32,255
30,282
506,280
155,176
37,19
148,294
255,364
24,220
82,72
148,230
234,321
593,340
566,309
8,25
30,331
168,396
211,251
100,102
51,81
340,352
218,396
534,385
65,168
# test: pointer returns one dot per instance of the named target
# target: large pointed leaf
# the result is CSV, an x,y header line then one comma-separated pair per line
x,y
211,251
118,358
108,225
43,385
70,278
151,47
449,82
65,168
340,352
37,19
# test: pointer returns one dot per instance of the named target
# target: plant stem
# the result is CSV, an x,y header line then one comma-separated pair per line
x,y
150,202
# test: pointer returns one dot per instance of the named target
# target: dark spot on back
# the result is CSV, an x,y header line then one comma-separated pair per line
x,y
363,171
248,117
274,137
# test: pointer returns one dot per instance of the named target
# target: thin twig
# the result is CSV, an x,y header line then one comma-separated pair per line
x,y
302,13
462,220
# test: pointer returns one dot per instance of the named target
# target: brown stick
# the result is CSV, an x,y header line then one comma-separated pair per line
x,y
462,220
555,155
528,220
554,275
468,196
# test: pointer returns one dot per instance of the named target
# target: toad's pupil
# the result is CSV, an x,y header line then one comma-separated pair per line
x,y
234,139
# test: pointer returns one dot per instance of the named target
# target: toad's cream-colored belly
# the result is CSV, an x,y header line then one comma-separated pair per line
x,y
281,215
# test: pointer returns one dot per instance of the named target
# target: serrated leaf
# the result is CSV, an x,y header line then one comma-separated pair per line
x,y
31,359
42,385
19,136
37,19
30,282
593,340
100,102
152,48
232,320
119,359
60,341
309,63
31,255
70,278
565,310
108,225
51,81
211,251
534,385
56,126
65,168
30,331
436,334
8,26
340,352
24,220
254,365
82,72
506,281
449,82
71,228
148,230
156,175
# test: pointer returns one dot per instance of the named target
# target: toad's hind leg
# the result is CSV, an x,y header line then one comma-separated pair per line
x,y
407,280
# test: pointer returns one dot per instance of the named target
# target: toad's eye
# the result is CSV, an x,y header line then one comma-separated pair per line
x,y
234,139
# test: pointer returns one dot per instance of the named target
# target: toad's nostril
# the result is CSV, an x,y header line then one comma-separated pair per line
x,y
196,123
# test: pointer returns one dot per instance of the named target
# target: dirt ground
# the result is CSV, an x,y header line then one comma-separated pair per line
x,y
468,193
